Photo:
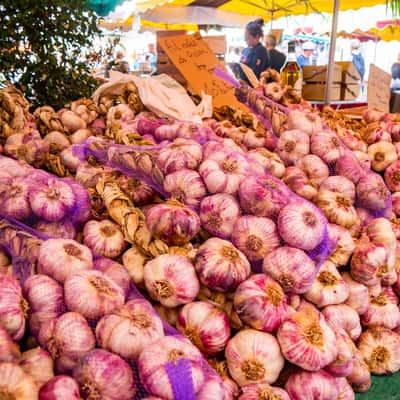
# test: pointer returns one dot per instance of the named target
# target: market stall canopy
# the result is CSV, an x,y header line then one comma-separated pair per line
x,y
267,9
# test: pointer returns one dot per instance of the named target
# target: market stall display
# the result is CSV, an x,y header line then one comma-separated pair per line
x,y
250,255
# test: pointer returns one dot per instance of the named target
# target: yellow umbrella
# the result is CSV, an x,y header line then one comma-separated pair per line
x,y
390,32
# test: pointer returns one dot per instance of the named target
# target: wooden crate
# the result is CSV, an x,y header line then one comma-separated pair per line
x,y
317,74
316,91
350,91
350,81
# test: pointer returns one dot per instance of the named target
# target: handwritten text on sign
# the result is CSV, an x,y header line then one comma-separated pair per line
x,y
378,89
196,62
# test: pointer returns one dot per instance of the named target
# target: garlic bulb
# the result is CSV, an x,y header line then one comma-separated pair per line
x,y
360,377
301,225
46,300
180,154
328,287
218,214
167,357
382,154
383,310
392,176
260,391
92,294
327,146
345,245
348,166
307,340
312,386
292,146
16,384
340,184
60,387
171,280
253,357
269,160
104,238
380,348
315,169
57,141
221,266
185,186
138,191
134,261
337,208
296,179
372,193
9,350
13,307
255,236
230,386
38,364
212,389
263,196
396,203
166,131
308,122
261,303
345,390
63,229
291,268
67,339
51,200
223,172
358,294
205,325
369,263
172,222
69,160
60,258
345,317
105,376
14,197
224,144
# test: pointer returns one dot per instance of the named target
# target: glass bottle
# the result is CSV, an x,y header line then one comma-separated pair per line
x,y
291,72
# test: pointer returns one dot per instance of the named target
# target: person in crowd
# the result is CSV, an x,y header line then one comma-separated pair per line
x,y
151,57
234,55
255,56
357,58
307,51
118,64
395,84
276,59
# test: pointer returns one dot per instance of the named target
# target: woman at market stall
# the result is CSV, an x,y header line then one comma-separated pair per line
x,y
255,56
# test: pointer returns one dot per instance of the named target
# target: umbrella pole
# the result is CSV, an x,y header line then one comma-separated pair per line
x,y
332,47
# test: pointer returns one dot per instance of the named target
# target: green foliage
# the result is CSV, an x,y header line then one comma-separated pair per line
x,y
44,46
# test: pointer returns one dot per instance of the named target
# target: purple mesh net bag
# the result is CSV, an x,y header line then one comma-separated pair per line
x,y
23,243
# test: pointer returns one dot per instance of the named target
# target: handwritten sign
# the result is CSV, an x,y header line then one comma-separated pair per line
x,y
196,62
378,89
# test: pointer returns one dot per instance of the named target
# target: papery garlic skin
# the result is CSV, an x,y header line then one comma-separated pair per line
x,y
134,261
380,348
230,386
171,280
257,391
106,376
127,330
339,184
51,200
296,179
59,258
173,223
220,265
345,390
327,146
372,192
92,294
223,172
307,340
253,357
104,238
301,225
67,339
269,160
255,236
383,310
360,377
303,385
38,364
9,350
382,154
343,316
212,389
328,287
13,307
14,197
344,244
218,214
60,387
261,303
205,325
315,169
63,229
358,294
308,122
169,350
291,268
46,300
16,384
392,176
292,146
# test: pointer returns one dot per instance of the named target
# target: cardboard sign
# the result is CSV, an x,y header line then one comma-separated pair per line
x,y
196,62
378,89
250,75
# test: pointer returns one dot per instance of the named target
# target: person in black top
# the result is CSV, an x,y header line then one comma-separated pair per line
x,y
276,59
255,56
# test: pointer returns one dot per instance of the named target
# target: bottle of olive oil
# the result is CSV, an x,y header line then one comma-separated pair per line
x,y
291,72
